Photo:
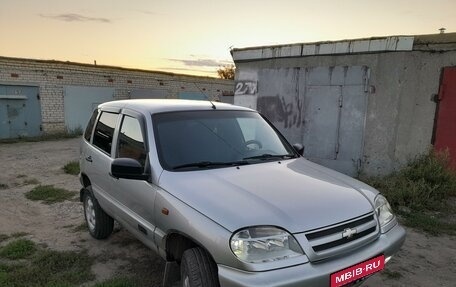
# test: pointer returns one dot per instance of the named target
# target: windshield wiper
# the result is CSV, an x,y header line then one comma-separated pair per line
x,y
204,164
271,156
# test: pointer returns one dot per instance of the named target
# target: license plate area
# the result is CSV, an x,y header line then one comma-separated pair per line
x,y
358,271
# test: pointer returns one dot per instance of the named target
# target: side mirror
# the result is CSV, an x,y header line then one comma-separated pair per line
x,y
128,168
299,148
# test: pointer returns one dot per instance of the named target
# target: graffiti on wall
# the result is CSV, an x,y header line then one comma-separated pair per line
x,y
246,88
276,109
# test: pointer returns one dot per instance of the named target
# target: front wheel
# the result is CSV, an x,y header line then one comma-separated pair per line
x,y
100,224
198,269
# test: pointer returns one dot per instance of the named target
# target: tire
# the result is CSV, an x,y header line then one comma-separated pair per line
x,y
198,269
99,223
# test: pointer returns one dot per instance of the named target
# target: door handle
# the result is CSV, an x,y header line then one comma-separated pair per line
x,y
89,158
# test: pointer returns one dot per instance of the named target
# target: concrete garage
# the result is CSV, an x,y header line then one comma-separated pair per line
x,y
38,97
358,106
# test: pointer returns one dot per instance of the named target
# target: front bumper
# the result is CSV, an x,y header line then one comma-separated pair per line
x,y
313,274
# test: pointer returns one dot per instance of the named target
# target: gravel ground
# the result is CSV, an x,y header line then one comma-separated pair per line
x,y
423,261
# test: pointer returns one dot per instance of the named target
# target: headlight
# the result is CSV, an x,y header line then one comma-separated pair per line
x,y
383,209
264,244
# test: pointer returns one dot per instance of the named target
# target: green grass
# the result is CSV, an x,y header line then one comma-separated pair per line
x,y
19,234
49,268
46,137
117,282
18,249
72,168
80,227
3,237
28,265
429,223
49,194
391,274
31,181
420,192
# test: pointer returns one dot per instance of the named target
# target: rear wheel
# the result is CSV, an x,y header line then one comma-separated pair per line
x,y
100,224
198,269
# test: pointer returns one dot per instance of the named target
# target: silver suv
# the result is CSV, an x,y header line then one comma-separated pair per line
x,y
220,194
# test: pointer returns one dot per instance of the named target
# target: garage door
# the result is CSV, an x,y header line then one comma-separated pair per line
x,y
80,102
324,108
20,111
445,131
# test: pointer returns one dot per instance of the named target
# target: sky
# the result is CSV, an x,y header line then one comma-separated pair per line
x,y
195,36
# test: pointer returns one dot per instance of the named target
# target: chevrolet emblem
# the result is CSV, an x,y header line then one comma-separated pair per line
x,y
348,233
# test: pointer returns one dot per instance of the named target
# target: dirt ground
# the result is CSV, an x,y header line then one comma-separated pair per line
x,y
423,261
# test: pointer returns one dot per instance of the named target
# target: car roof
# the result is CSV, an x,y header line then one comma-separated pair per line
x,y
154,106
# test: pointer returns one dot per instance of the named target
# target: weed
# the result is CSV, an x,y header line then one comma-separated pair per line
x,y
429,223
31,181
49,268
3,237
422,185
72,168
19,234
80,227
117,282
422,188
3,185
49,194
18,249
45,137
391,274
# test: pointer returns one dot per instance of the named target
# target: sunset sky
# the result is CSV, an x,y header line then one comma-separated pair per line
x,y
196,36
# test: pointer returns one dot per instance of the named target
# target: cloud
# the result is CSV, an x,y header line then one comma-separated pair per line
x,y
73,17
147,12
201,62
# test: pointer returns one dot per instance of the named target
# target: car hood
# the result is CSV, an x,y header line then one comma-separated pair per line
x,y
294,194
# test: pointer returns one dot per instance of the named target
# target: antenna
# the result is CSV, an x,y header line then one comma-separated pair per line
x,y
207,97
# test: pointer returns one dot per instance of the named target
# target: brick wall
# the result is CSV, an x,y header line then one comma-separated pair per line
x,y
52,76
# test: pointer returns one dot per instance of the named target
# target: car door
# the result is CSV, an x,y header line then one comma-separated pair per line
x,y
136,196
99,158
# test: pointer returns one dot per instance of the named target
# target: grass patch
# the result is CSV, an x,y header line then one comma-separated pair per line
x,y
49,194
47,137
117,282
18,249
81,227
391,274
19,234
420,192
31,181
3,237
72,168
429,223
49,268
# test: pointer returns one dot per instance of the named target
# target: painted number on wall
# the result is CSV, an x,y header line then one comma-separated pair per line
x,y
246,88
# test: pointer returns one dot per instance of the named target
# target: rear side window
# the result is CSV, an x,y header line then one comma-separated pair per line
x,y
131,140
104,131
89,128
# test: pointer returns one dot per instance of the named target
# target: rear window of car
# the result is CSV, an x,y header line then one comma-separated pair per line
x,y
89,128
104,131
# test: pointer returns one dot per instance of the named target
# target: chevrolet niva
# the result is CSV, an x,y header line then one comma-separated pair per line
x,y
220,194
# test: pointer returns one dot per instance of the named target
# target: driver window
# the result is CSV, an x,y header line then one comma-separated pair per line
x,y
131,141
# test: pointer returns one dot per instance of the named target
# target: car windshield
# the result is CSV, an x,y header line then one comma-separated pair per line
x,y
191,140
